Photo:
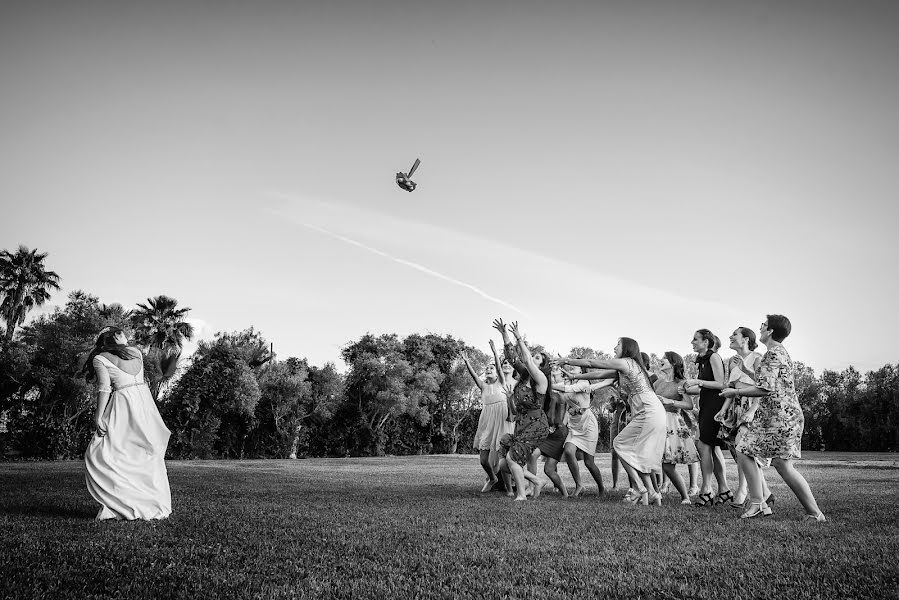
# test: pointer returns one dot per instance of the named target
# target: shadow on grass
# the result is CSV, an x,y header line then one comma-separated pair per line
x,y
50,511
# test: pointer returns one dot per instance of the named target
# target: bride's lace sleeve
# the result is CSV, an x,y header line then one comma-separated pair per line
x,y
103,384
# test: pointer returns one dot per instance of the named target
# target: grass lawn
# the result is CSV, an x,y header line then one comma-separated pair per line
x,y
416,527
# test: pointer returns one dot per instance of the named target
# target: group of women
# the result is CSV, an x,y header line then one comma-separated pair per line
x,y
534,405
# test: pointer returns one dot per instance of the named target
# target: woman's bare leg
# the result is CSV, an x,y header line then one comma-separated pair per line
x,y
720,470
571,459
488,468
549,468
798,484
590,463
518,475
670,470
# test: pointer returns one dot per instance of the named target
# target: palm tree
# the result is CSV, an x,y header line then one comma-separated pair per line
x,y
159,327
115,314
24,284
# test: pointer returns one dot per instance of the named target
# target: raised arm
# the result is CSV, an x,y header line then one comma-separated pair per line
x,y
510,402
499,366
534,371
471,372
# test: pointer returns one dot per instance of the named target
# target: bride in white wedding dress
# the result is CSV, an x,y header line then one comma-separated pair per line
x,y
125,459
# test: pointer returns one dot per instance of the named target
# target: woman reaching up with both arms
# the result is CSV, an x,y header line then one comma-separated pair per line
x,y
519,451
493,422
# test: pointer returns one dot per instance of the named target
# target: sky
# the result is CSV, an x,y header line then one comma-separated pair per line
x,y
589,169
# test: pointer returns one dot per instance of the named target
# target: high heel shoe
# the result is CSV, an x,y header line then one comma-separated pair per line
x,y
706,499
755,509
638,498
723,497
631,495
655,498
818,518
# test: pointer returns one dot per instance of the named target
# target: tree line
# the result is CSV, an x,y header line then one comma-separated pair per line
x,y
234,398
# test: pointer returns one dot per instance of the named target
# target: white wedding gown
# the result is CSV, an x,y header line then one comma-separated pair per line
x,y
126,467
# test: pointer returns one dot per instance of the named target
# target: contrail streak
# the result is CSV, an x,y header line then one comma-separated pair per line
x,y
417,267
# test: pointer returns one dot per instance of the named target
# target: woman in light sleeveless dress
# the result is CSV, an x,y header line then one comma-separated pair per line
x,y
493,422
583,430
125,460
641,444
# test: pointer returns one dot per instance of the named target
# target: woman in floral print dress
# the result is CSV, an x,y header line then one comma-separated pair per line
x,y
680,449
775,431
519,451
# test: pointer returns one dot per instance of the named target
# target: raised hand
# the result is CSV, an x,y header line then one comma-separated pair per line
x,y
492,347
499,326
514,328
508,390
463,355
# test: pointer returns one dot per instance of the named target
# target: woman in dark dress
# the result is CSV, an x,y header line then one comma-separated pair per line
x,y
519,451
708,385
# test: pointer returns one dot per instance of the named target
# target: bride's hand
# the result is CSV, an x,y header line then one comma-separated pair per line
x,y
100,425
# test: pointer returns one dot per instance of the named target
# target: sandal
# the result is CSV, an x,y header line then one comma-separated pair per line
x,y
755,509
818,518
723,497
705,500
637,498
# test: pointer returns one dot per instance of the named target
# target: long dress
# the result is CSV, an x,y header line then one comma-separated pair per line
x,y
776,430
679,445
583,429
642,443
126,470
493,422
531,424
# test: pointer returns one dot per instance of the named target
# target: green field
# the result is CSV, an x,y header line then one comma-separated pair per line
x,y
416,527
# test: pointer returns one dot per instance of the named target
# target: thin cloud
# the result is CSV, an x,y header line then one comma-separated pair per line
x,y
417,267
593,283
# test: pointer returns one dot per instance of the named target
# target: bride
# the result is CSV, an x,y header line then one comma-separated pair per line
x,y
126,458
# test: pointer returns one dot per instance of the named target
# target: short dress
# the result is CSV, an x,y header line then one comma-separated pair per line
x,y
776,430
642,443
710,402
531,425
583,429
679,445
554,444
493,422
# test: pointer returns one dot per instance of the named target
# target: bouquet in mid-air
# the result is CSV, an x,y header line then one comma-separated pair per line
x,y
404,179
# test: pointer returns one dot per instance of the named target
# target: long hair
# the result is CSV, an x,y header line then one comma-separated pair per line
x,y
631,349
105,343
677,365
